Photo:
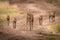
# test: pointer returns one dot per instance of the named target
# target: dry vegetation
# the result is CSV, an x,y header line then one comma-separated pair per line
x,y
54,2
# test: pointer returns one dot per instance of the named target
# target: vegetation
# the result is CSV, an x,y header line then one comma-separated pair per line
x,y
58,27
1,22
53,38
54,2
5,9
